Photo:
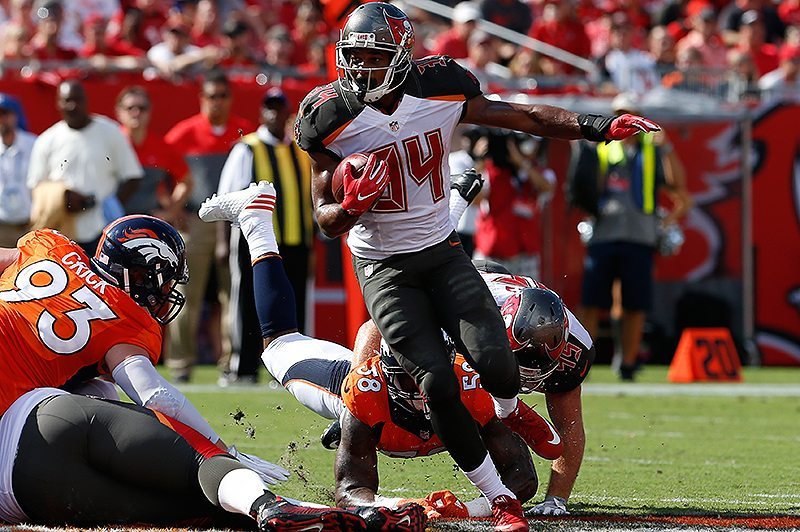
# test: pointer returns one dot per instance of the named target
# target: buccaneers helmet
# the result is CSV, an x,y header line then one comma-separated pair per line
x,y
145,257
375,26
537,326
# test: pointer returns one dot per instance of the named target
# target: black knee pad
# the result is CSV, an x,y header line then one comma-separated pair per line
x,y
439,385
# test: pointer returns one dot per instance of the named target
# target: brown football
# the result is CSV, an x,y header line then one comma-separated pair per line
x,y
358,160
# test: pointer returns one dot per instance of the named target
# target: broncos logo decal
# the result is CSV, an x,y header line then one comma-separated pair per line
x,y
146,243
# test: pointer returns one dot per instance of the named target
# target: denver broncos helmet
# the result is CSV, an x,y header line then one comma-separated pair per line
x,y
537,326
375,26
145,257
402,389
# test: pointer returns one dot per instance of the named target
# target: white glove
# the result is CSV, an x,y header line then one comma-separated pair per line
x,y
551,506
269,472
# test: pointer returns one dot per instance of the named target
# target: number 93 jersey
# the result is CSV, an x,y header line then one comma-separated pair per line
x,y
58,318
413,212
365,395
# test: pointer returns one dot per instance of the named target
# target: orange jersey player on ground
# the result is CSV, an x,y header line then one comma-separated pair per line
x,y
59,318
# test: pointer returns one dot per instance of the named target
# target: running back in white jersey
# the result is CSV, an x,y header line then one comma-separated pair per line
x,y
413,212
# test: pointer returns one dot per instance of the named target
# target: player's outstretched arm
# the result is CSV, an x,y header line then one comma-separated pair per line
x,y
356,466
567,416
555,122
332,218
367,343
511,458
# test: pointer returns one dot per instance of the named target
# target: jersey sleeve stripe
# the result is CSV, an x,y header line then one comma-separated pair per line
x,y
330,138
448,98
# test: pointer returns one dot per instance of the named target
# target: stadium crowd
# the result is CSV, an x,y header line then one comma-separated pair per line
x,y
726,48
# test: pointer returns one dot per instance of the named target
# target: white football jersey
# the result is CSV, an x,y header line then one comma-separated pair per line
x,y
413,212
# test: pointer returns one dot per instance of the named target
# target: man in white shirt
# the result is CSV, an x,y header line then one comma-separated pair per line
x,y
15,154
783,83
91,156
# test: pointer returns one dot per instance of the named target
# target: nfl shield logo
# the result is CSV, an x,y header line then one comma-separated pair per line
x,y
394,126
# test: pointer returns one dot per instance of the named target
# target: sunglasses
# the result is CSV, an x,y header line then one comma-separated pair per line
x,y
132,107
217,96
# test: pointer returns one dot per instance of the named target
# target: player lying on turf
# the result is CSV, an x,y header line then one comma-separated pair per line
x,y
313,370
70,459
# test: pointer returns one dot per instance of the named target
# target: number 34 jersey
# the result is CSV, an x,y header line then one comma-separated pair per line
x,y
58,319
413,212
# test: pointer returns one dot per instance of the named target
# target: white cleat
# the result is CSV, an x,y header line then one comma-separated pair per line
x,y
229,206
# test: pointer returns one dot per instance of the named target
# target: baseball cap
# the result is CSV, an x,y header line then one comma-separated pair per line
x,y
6,102
466,12
274,94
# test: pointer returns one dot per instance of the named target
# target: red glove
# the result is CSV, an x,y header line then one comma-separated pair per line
x,y
361,194
626,125
446,504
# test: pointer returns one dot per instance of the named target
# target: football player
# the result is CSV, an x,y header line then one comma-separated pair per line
x,y
314,370
413,272
66,318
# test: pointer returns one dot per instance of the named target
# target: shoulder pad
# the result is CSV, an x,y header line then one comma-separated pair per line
x,y
440,76
322,112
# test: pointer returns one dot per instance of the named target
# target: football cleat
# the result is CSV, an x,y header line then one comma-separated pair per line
x,y
232,205
537,432
332,435
507,515
409,517
281,515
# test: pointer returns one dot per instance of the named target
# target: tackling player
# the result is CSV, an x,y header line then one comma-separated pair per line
x,y
65,319
412,270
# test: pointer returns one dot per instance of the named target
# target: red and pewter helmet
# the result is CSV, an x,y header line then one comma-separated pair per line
x,y
145,257
537,327
375,26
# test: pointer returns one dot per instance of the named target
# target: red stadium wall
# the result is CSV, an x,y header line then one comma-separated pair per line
x,y
711,152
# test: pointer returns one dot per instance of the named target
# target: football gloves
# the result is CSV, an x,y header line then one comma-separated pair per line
x,y
551,505
360,194
269,472
467,183
447,504
602,128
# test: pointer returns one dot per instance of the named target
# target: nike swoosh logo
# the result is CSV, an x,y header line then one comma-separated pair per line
x,y
317,527
556,439
453,244
406,520
362,198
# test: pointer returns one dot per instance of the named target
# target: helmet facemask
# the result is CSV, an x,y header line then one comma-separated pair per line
x,y
361,79
402,388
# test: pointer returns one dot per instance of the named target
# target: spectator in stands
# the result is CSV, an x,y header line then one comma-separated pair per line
x,y
205,31
731,20
560,27
789,12
662,49
705,37
783,83
268,154
630,69
15,39
15,154
307,27
453,42
91,157
512,14
45,43
129,35
176,56
482,59
204,140
184,12
96,43
526,64
21,13
751,39
75,14
278,49
147,18
235,50
508,229
166,184
316,66
630,175
742,83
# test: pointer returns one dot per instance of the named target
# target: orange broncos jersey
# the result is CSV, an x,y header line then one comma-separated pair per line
x,y
58,317
364,392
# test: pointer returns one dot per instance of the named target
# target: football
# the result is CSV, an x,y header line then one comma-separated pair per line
x,y
358,160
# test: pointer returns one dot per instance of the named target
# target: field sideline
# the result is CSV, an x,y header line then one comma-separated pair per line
x,y
658,456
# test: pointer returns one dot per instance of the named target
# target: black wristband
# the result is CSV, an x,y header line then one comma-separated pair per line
x,y
595,127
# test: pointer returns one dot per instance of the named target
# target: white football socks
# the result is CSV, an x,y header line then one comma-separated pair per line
x,y
257,228
239,489
504,407
487,480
